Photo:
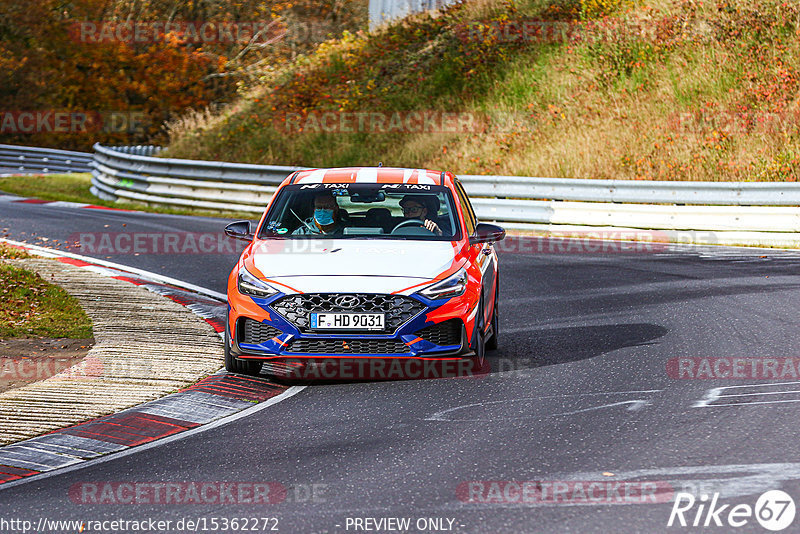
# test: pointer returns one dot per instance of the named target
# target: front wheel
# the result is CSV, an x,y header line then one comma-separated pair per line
x,y
234,365
480,350
491,344
479,347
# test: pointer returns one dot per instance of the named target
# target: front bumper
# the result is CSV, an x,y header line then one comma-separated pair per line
x,y
432,330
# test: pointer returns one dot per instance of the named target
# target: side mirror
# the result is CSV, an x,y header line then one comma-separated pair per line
x,y
239,230
487,233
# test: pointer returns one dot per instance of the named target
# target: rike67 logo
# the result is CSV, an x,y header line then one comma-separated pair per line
x,y
774,510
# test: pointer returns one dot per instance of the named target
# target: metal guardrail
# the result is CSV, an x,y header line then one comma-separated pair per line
x,y
637,191
134,174
24,159
517,202
208,185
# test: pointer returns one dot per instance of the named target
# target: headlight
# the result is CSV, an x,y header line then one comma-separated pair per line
x,y
250,285
452,286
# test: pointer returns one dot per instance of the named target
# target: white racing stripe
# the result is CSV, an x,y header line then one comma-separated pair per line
x,y
314,177
367,175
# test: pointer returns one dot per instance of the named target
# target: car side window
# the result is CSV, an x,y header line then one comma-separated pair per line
x,y
469,214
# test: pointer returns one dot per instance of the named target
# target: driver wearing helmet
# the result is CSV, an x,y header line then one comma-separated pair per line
x,y
421,207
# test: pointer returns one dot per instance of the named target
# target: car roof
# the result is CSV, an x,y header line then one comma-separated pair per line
x,y
370,175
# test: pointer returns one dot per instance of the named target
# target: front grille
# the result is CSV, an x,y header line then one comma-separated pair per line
x,y
446,333
356,346
251,331
297,309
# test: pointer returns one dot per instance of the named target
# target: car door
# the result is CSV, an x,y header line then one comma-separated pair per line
x,y
482,254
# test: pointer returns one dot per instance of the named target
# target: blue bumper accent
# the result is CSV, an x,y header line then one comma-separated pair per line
x,y
405,334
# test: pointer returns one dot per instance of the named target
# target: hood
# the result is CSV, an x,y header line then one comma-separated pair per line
x,y
392,265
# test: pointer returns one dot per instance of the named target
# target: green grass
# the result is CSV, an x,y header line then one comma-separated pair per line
x,y
7,252
32,307
75,188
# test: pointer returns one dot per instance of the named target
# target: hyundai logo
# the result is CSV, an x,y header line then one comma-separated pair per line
x,y
347,301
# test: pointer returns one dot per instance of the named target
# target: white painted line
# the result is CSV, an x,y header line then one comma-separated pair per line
x,y
635,405
715,394
291,392
762,393
740,404
147,274
34,459
711,396
101,270
440,416
77,442
772,384
80,446
732,480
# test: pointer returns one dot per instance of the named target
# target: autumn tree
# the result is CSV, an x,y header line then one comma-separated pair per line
x,y
54,57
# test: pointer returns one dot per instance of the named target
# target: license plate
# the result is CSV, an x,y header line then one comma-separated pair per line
x,y
347,321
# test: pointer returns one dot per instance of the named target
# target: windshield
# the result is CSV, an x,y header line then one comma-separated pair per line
x,y
381,211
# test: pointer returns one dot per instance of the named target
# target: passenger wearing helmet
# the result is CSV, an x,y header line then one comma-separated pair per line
x,y
423,208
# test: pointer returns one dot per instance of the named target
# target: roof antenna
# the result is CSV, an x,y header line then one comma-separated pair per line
x,y
380,164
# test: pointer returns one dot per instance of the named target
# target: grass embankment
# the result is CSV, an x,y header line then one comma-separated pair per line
x,y
75,188
658,89
32,307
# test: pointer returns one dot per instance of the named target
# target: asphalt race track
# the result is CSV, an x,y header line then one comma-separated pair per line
x,y
579,392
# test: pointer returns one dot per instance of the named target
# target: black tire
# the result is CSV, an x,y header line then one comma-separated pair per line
x,y
492,342
479,358
234,365
480,350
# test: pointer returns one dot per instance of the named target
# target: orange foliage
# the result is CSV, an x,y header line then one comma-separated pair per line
x,y
47,66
